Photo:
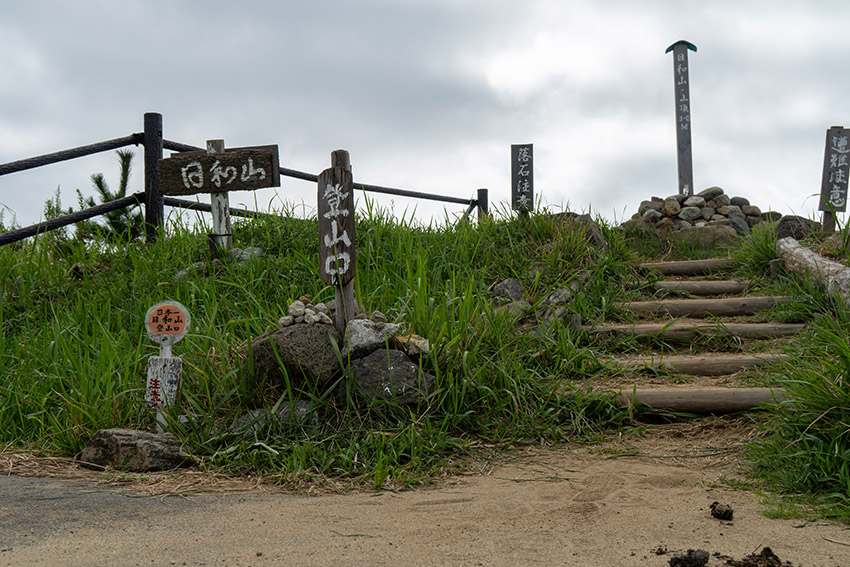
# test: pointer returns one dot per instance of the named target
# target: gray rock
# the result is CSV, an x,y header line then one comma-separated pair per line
x,y
378,317
652,216
390,375
245,254
649,205
708,235
254,420
664,224
679,224
514,308
796,227
321,308
325,319
306,352
771,216
510,288
720,220
695,201
717,202
364,336
729,210
286,320
671,206
297,309
753,220
133,450
708,212
751,210
740,225
690,213
739,201
710,193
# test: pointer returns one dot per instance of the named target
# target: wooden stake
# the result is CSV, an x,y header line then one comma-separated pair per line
x,y
220,202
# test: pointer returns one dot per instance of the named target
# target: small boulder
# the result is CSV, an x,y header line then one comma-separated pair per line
x,y
796,227
390,375
695,201
133,450
751,211
739,201
306,352
729,210
364,336
671,206
709,235
510,288
710,193
740,225
690,213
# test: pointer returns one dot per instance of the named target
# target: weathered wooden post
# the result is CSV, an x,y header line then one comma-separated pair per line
x,y
522,178
166,323
683,115
222,234
483,204
154,209
835,175
337,257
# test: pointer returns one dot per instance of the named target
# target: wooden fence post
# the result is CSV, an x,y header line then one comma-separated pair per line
x,y
483,204
154,208
222,236
337,253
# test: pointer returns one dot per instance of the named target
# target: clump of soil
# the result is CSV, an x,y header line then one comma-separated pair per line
x,y
766,558
721,511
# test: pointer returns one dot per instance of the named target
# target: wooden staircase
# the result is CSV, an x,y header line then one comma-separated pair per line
x,y
693,314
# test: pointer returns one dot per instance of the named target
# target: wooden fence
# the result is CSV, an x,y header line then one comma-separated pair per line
x,y
154,201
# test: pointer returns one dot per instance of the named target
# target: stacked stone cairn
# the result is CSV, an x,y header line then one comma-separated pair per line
x,y
384,363
708,208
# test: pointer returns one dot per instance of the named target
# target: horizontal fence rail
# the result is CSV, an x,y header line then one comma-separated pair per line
x,y
64,155
153,143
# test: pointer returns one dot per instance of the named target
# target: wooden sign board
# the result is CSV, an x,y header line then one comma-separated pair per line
x,y
336,226
237,169
836,170
522,177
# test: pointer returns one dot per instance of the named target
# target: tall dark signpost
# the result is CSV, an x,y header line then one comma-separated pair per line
x,y
337,259
683,115
836,170
522,178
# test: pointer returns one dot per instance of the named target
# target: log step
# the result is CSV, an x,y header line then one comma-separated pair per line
x,y
703,400
704,287
711,365
686,330
689,267
705,307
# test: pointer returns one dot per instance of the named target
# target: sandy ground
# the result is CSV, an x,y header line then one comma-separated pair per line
x,y
628,502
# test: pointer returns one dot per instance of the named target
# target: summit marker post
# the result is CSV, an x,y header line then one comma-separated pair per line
x,y
683,115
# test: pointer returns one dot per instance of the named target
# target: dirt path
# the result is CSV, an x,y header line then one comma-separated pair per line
x,y
570,506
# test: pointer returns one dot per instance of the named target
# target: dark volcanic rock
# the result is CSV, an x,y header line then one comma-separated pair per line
x,y
133,450
305,351
795,227
390,375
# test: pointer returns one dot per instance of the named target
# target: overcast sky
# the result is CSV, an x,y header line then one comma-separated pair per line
x,y
428,95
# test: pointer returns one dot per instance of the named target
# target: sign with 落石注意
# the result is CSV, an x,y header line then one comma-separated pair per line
x,y
836,170
522,177
236,169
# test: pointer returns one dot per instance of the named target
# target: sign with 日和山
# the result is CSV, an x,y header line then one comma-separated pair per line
x,y
237,169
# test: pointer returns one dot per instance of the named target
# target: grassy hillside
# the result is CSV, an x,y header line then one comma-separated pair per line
x,y
74,348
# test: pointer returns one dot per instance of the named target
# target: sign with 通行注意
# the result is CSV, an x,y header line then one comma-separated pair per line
x,y
236,169
522,177
836,170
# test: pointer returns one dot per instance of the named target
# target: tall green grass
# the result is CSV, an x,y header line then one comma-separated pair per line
x,y
74,349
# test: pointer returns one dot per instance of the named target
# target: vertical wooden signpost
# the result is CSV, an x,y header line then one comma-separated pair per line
x,y
683,115
337,260
836,170
166,323
522,178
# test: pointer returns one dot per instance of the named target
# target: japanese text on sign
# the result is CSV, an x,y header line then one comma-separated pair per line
x,y
522,177
235,169
836,170
336,226
167,320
